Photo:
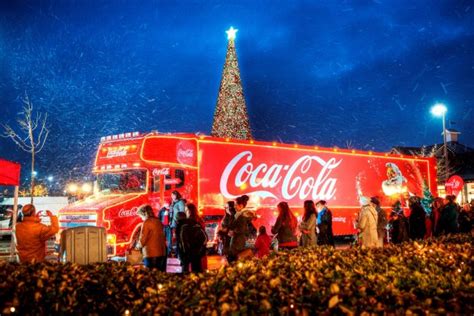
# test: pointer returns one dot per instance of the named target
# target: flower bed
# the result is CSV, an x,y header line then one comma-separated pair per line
x,y
434,275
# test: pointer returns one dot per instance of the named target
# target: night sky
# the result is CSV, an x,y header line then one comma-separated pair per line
x,y
359,74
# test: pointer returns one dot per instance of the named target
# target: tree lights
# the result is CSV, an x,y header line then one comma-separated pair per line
x,y
230,117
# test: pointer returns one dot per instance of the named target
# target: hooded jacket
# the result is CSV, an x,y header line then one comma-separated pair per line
x,y
240,228
367,224
308,231
31,237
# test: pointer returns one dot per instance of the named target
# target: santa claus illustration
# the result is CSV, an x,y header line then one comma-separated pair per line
x,y
395,180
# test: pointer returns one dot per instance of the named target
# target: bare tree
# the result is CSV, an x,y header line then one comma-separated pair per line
x,y
443,171
31,136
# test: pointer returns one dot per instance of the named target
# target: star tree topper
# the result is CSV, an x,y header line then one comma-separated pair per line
x,y
231,33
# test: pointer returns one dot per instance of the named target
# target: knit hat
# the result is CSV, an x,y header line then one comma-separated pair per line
x,y
28,210
364,201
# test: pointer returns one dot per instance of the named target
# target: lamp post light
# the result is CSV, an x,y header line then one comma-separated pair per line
x,y
439,109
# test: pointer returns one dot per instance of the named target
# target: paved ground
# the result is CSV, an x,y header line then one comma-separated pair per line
x,y
213,262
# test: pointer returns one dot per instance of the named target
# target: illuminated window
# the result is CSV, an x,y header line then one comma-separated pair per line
x,y
156,183
168,186
179,174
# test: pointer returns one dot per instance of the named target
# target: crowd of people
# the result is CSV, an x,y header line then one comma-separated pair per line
x,y
237,229
445,216
178,230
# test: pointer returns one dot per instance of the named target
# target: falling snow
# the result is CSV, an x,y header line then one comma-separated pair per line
x,y
325,74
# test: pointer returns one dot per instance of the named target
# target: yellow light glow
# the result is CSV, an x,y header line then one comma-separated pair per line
x,y
72,188
111,239
274,143
136,164
86,188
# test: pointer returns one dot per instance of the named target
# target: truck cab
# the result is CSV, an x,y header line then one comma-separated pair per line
x,y
129,173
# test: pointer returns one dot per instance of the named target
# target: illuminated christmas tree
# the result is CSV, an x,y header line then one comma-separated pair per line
x,y
231,118
427,199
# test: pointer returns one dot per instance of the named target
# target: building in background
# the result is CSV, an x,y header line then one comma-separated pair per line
x,y
460,162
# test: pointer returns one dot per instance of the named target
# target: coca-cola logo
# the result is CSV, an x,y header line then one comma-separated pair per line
x,y
161,172
308,177
116,153
185,152
128,213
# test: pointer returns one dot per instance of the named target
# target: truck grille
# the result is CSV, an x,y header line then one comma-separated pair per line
x,y
76,220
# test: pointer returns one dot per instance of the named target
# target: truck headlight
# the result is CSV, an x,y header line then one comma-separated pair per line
x,y
111,239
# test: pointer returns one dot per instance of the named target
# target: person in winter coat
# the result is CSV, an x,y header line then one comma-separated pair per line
x,y
191,241
225,224
263,243
399,224
324,222
381,219
285,227
32,235
192,213
152,239
308,225
465,219
177,206
448,220
367,224
417,220
438,205
165,218
239,228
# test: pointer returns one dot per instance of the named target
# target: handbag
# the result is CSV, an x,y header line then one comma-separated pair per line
x,y
134,257
245,254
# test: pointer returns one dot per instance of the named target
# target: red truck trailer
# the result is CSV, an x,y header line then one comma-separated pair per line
x,y
133,169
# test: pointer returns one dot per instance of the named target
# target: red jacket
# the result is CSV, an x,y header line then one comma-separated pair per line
x,y
31,237
262,245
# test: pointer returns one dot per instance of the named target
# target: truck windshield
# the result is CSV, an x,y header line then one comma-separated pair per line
x,y
128,181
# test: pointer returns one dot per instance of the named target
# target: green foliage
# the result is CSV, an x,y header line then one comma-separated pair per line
x,y
433,276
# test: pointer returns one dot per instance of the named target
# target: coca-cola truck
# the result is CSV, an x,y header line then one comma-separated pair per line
x,y
133,169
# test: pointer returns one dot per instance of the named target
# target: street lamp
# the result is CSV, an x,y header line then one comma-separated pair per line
x,y
439,109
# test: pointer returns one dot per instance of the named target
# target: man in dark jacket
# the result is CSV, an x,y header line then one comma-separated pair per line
x,y
417,219
191,240
399,224
324,222
448,220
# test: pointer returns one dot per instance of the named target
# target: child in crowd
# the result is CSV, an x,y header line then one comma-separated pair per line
x,y
263,242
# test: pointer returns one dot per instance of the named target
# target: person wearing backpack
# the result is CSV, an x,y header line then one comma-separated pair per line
x,y
381,220
191,241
